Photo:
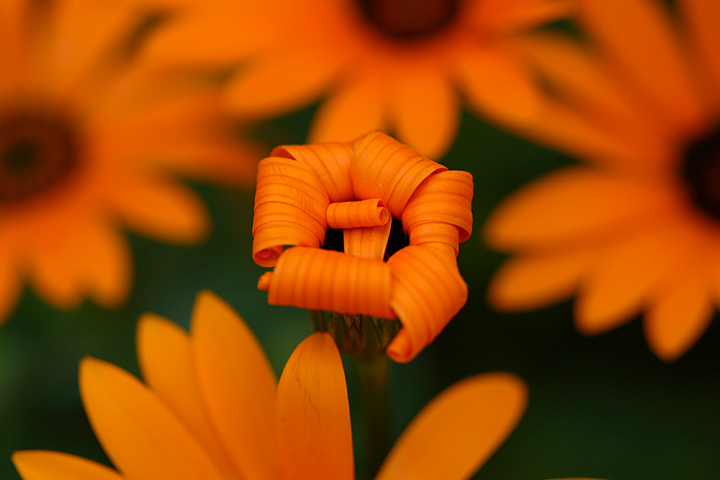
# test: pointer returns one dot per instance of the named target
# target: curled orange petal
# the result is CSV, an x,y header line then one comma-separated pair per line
x,y
290,206
442,199
385,168
364,213
327,280
427,292
367,242
331,163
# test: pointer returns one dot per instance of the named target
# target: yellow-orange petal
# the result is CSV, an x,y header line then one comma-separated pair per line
x,y
312,422
572,203
385,168
427,292
237,384
44,465
623,274
10,280
538,279
424,110
355,109
362,213
327,280
165,359
639,36
290,208
142,437
503,16
678,314
458,430
331,163
367,242
158,208
499,84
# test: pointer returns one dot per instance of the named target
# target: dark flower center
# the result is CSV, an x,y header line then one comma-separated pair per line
x,y
37,151
409,19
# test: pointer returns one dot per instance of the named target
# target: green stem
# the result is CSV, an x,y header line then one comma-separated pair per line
x,y
373,374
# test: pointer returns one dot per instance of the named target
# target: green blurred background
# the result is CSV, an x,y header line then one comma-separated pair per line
x,y
601,406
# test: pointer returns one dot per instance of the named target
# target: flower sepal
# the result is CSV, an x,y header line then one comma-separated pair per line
x,y
357,335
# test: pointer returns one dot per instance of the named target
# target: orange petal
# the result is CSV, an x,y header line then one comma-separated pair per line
x,y
638,35
427,293
13,36
42,465
165,359
425,111
678,314
158,208
10,280
498,84
367,242
701,18
142,437
290,209
443,198
384,168
313,415
262,88
327,280
355,109
458,430
618,283
504,16
362,213
331,163
237,384
539,279
572,203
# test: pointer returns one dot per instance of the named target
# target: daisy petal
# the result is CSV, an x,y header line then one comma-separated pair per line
x,y
459,430
514,15
42,465
355,109
637,34
141,436
313,414
569,204
525,283
11,285
158,208
498,84
701,17
677,317
165,360
424,109
237,385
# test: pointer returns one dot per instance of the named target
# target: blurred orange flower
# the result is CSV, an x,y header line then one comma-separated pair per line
x,y
211,409
638,228
87,145
390,65
360,187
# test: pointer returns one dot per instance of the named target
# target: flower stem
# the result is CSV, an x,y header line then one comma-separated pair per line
x,y
373,375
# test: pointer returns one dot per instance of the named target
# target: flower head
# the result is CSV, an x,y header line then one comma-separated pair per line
x,y
360,187
638,227
210,408
391,65
87,145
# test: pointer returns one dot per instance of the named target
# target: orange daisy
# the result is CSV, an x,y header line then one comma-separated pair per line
x,y
307,192
394,65
637,228
88,145
211,408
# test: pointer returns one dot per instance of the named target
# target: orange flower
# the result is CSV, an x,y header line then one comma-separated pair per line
x,y
87,146
210,409
387,65
638,228
360,187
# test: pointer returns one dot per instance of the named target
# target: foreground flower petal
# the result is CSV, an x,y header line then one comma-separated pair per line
x,y
313,415
41,465
459,430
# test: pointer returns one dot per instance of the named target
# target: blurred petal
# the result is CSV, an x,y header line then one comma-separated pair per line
x,y
10,281
459,430
425,111
701,17
313,414
237,385
142,437
41,465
